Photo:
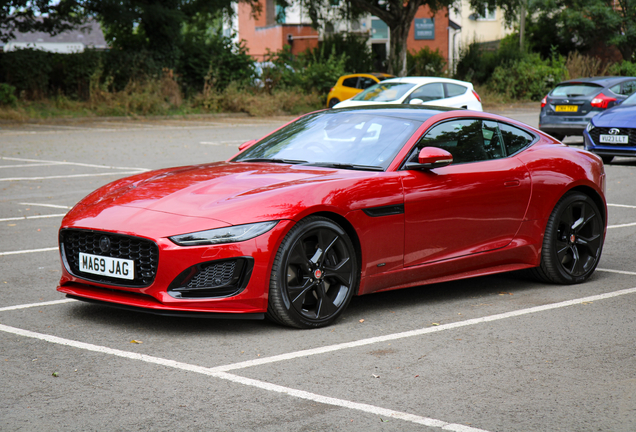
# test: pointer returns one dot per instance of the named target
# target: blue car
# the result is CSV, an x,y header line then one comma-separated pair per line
x,y
613,132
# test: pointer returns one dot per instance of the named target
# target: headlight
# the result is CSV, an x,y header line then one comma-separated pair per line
x,y
230,234
589,127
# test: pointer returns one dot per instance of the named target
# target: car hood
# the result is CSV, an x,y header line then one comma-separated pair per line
x,y
220,193
620,116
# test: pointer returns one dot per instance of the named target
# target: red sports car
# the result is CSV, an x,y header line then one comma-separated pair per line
x,y
339,203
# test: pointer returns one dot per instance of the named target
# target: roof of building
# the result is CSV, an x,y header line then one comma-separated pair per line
x,y
90,34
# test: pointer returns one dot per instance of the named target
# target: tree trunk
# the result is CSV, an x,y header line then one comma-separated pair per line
x,y
397,48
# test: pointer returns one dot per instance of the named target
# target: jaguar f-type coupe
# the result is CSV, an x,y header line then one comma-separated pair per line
x,y
336,204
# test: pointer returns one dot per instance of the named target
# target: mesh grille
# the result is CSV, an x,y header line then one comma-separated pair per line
x,y
598,131
144,253
213,275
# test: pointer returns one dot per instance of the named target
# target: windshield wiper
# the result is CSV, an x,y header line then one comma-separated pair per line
x,y
346,166
285,161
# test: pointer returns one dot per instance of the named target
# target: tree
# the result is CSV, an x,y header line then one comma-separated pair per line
x,y
574,24
37,15
398,15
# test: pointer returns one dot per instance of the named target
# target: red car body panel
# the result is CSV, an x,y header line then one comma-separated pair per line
x,y
459,221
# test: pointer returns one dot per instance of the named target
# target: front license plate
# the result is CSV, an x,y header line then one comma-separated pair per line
x,y
566,108
107,266
614,139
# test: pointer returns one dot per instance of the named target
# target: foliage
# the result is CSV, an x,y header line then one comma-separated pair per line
x,y
209,54
477,65
38,15
623,68
579,65
359,58
7,94
528,78
28,70
425,63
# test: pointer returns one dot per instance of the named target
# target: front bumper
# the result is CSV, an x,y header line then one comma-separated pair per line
x,y
628,150
174,260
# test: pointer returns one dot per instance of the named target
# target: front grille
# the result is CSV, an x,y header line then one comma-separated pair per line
x,y
598,131
144,253
221,278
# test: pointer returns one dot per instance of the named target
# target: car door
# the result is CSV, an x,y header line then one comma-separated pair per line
x,y
474,205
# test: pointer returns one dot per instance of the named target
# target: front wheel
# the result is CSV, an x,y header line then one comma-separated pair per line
x,y
314,276
607,159
573,240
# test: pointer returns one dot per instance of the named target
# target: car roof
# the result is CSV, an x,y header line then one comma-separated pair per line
x,y
411,112
425,80
605,81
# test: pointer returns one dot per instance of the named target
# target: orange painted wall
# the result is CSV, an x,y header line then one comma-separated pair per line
x,y
441,33
259,38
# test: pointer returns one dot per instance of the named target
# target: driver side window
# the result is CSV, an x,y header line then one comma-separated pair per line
x,y
468,140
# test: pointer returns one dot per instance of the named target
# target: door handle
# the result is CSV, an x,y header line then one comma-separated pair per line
x,y
512,183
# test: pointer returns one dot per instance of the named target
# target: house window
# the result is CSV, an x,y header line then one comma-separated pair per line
x,y
379,29
280,14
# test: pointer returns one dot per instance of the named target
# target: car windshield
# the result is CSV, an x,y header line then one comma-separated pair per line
x,y
350,140
384,92
630,100
576,89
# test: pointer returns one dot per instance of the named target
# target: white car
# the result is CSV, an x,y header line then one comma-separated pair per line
x,y
418,91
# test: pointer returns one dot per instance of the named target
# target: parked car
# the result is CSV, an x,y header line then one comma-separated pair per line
x,y
613,132
348,86
570,106
339,203
418,91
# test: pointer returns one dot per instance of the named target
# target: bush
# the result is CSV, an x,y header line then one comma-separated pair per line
x,y
425,63
7,94
623,68
477,63
579,65
528,78
28,70
357,53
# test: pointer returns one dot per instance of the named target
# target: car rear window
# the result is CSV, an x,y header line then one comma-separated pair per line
x,y
576,89
453,90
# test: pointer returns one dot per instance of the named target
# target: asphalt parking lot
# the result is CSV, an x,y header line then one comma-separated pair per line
x,y
497,353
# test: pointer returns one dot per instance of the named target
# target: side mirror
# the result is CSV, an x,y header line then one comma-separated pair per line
x,y
246,144
416,101
431,158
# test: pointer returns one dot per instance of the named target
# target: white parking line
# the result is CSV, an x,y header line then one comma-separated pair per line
x,y
617,271
73,163
622,225
32,217
621,205
220,371
28,251
31,305
223,142
69,176
46,205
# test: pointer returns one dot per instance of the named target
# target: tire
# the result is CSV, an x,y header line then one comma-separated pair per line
x,y
314,276
607,159
573,241
332,102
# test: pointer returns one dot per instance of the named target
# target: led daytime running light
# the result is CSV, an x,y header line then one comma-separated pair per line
x,y
231,234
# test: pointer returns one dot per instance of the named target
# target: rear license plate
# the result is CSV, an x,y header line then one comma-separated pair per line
x,y
107,266
614,139
566,108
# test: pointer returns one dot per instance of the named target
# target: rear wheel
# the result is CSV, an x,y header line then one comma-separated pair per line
x,y
314,276
607,159
560,137
573,241
332,102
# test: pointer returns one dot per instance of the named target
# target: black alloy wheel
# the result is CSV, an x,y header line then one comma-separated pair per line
x,y
573,240
314,276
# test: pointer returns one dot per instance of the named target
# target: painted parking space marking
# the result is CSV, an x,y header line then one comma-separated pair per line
x,y
69,176
617,271
221,371
219,143
73,163
46,205
29,251
18,218
622,205
32,305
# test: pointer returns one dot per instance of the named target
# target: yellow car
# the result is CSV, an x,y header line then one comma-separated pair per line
x,y
350,85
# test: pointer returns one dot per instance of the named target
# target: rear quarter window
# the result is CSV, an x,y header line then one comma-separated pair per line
x,y
453,90
350,82
514,138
